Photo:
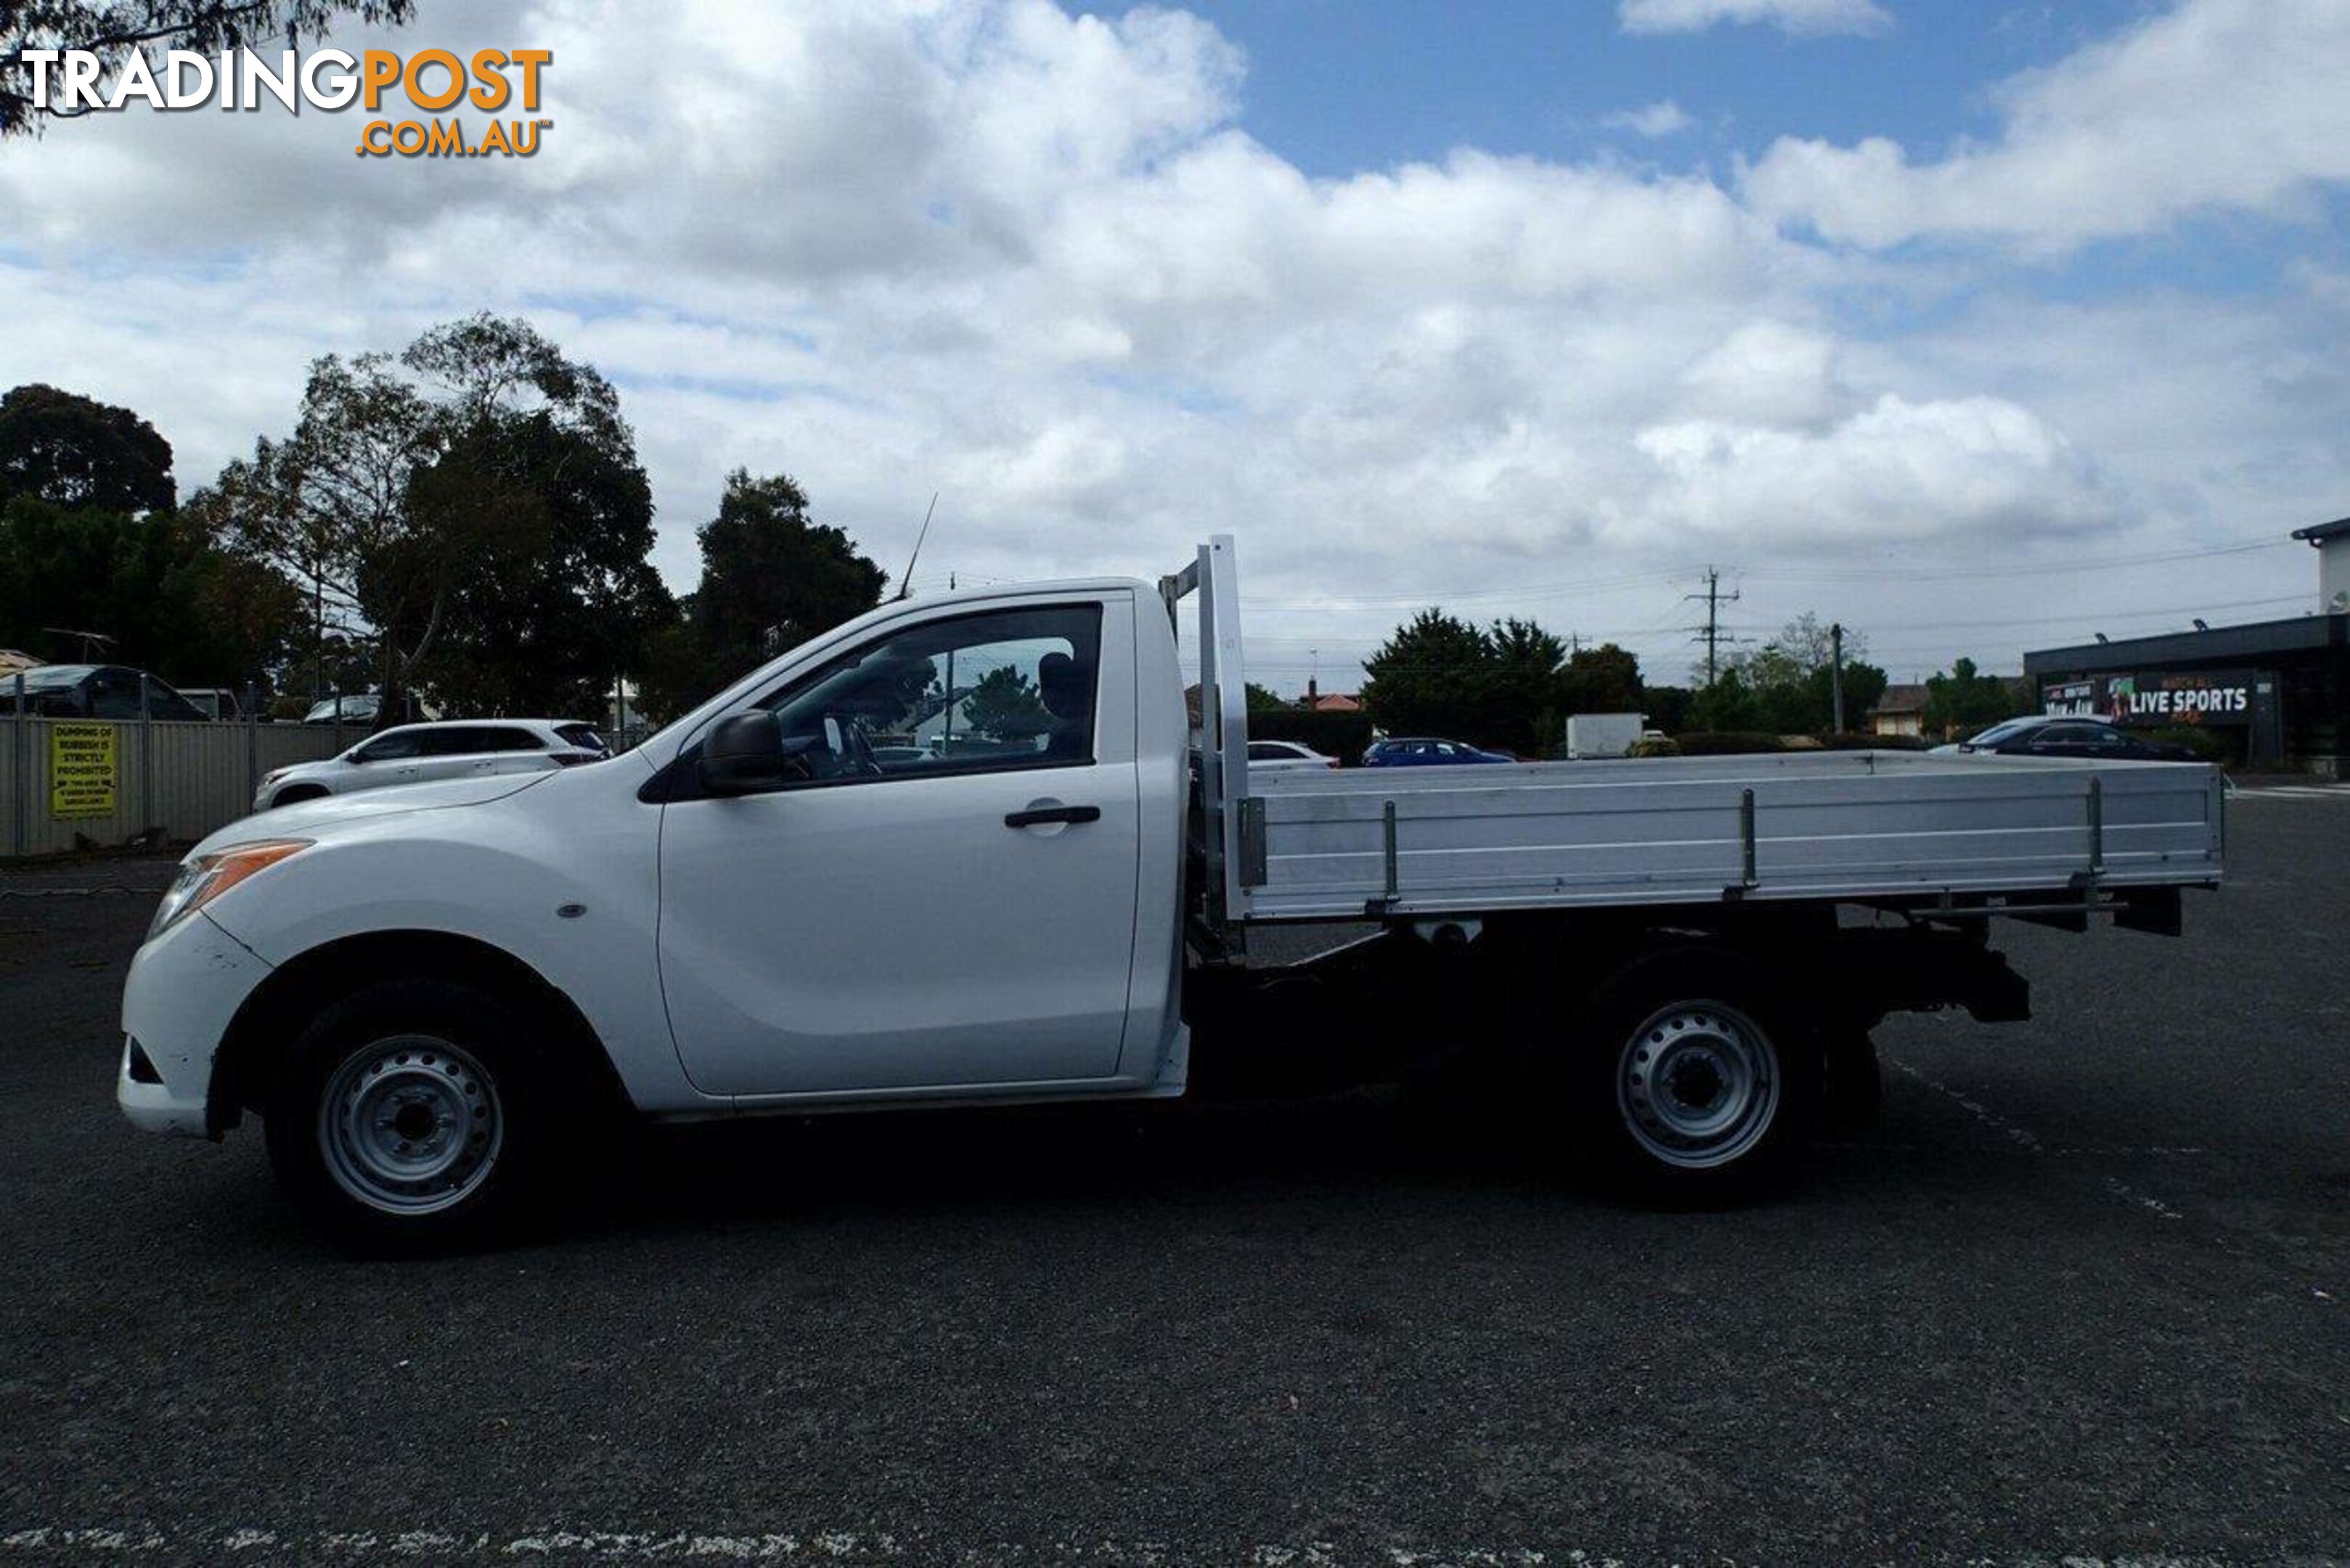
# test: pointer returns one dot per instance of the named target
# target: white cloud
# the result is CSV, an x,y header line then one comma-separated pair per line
x,y
1663,117
2214,104
1897,469
1799,16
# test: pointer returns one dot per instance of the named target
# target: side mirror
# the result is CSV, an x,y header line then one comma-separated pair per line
x,y
744,754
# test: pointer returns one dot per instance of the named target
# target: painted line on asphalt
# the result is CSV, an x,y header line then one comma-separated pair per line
x,y
2025,1138
839,1545
815,1546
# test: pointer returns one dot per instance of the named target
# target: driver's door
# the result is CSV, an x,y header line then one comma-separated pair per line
x,y
960,916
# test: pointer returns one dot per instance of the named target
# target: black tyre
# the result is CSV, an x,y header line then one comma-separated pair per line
x,y
412,1115
1691,1077
1856,1082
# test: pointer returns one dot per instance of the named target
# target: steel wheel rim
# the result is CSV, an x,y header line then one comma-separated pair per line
x,y
411,1125
1698,1084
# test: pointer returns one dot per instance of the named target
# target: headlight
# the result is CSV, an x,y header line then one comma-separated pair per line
x,y
272,776
207,877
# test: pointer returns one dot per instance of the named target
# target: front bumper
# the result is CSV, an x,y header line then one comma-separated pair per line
x,y
184,989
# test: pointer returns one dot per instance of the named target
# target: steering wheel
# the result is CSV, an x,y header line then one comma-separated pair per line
x,y
856,758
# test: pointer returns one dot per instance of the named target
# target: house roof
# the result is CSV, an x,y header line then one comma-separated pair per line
x,y
1337,703
1901,699
2319,532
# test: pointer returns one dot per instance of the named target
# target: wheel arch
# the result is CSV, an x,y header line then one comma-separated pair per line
x,y
271,1016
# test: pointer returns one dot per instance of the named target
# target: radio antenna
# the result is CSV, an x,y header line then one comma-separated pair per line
x,y
906,584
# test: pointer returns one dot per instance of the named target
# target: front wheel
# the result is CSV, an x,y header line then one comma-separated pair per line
x,y
407,1116
1691,1078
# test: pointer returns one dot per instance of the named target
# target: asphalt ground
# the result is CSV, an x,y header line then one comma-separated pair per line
x,y
2084,1291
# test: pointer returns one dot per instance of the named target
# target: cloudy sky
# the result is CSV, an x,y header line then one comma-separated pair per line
x,y
1978,326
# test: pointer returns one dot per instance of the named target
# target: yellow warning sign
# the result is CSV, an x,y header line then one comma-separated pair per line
x,y
82,772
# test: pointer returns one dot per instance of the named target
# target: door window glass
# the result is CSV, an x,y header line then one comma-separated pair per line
x,y
396,746
458,740
114,694
1010,688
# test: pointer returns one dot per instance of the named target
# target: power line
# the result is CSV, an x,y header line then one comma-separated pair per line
x,y
1895,574
1956,574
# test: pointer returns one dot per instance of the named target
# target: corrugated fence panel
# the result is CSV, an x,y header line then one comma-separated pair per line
x,y
185,779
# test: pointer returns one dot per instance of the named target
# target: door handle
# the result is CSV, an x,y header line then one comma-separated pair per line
x,y
1036,815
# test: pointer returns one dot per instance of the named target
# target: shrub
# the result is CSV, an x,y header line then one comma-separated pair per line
x,y
1655,746
1862,741
1727,742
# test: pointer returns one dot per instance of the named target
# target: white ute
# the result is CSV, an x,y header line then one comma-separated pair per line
x,y
968,849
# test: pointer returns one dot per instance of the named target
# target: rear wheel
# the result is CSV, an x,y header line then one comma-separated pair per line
x,y
409,1116
1856,1082
1691,1077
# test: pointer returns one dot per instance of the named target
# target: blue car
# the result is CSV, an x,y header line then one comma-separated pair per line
x,y
1418,752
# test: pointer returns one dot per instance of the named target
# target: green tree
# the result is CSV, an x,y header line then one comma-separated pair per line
x,y
539,464
1522,701
116,29
1667,707
771,577
328,507
1788,682
480,491
1728,704
72,451
1604,679
1004,705
169,601
1429,676
1965,700
1265,700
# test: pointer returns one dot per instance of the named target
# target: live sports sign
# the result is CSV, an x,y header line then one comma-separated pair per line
x,y
2154,701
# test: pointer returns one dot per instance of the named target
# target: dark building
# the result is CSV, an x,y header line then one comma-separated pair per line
x,y
2276,692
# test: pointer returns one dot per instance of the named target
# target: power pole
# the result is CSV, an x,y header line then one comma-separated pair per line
x,y
1835,672
1711,632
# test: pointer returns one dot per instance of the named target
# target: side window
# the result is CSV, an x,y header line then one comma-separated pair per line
x,y
114,694
394,747
505,739
458,740
1266,752
1005,689
163,702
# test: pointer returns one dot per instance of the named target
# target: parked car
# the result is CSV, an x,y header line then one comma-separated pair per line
x,y
1285,754
96,691
2059,735
418,754
1418,751
360,707
215,702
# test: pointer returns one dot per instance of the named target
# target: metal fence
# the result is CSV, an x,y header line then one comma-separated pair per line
x,y
64,784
